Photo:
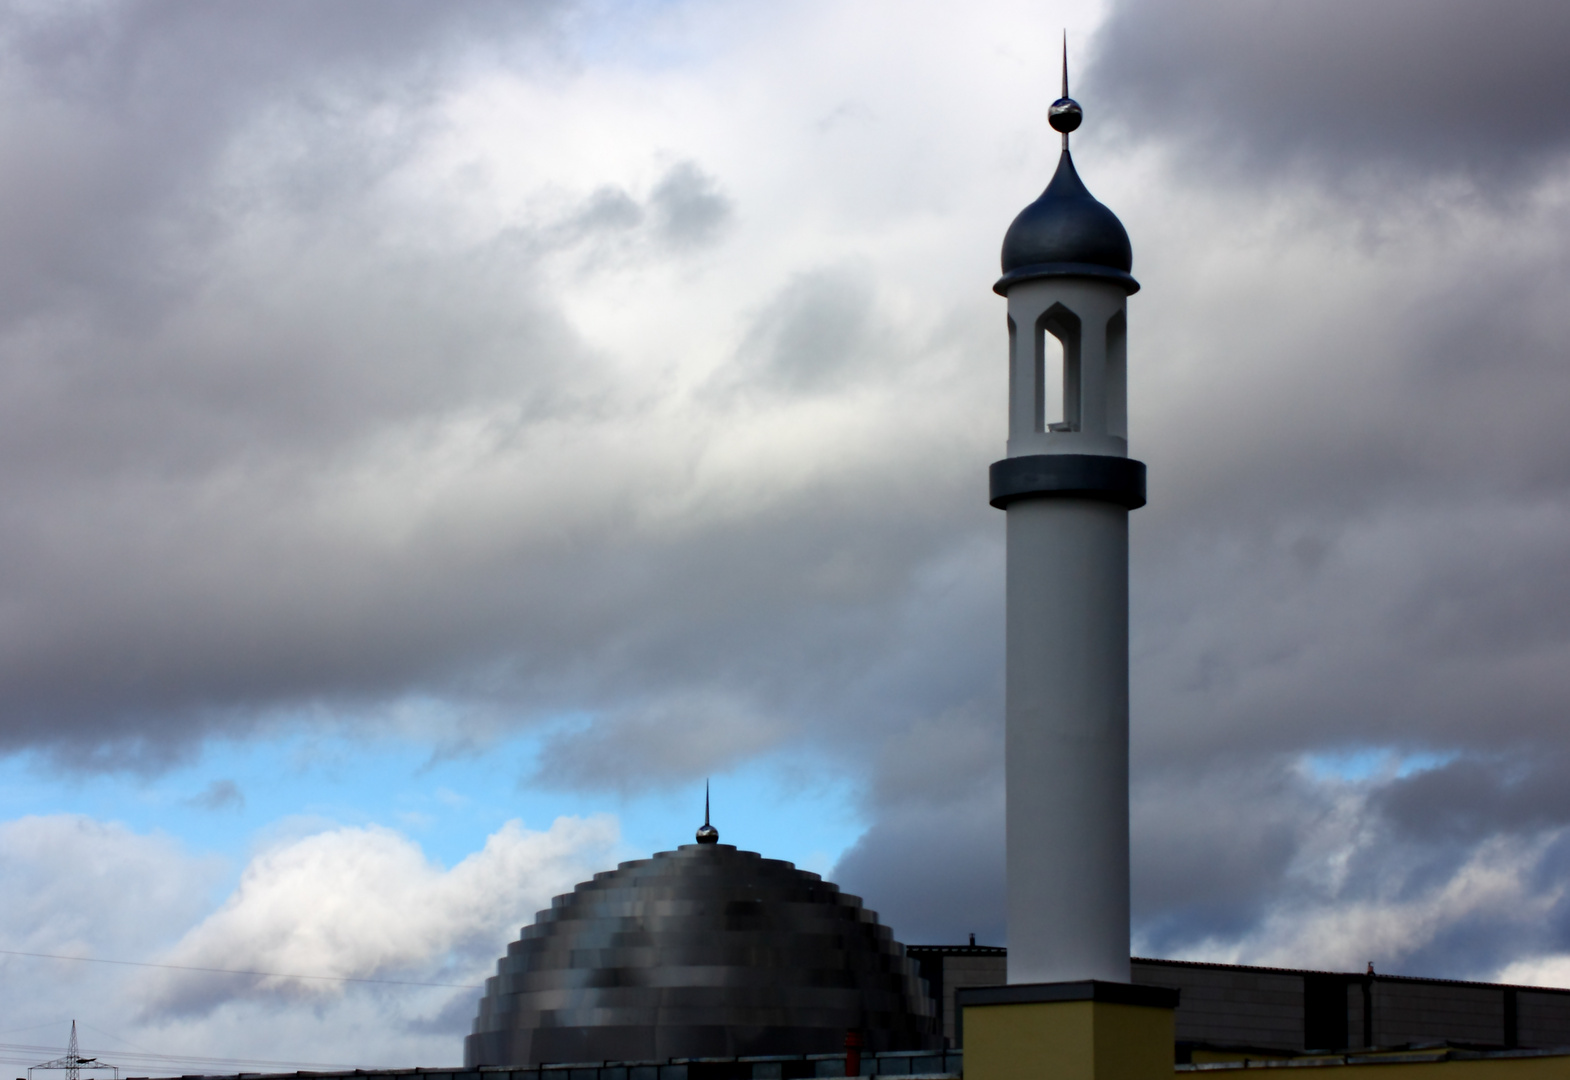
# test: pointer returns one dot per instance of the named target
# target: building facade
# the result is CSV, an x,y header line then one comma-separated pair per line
x,y
1232,1008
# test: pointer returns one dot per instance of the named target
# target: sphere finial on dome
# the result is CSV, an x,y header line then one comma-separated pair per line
x,y
707,834
1065,114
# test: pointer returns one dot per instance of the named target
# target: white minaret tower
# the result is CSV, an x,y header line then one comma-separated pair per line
x,y
1067,486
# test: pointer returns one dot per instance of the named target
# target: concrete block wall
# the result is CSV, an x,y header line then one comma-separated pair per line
x,y
1251,1009
947,968
1542,1019
961,971
1406,1012
1269,1008
1232,1005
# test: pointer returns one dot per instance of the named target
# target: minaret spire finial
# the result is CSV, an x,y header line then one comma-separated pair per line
x,y
1065,78
1065,63
707,834
1065,113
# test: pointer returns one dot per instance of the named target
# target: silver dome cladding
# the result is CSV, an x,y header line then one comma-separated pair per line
x,y
705,951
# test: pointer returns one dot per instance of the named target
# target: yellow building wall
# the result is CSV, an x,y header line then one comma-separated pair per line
x,y
1068,1040
1498,1068
1099,1040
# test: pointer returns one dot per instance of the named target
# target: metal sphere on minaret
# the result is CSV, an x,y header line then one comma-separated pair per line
x,y
1065,115
1067,485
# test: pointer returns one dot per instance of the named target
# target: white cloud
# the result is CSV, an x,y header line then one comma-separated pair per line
x,y
1551,970
345,902
81,887
1341,931
365,903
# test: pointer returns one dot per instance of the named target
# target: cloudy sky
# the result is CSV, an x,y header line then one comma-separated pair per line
x,y
436,437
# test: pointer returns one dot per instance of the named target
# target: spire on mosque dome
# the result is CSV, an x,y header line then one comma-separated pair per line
x,y
1064,114
707,834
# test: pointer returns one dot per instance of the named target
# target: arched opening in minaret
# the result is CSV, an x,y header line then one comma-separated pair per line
x,y
1014,375
1117,375
1057,370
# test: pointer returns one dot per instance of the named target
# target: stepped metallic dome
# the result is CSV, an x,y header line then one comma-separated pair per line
x,y
1066,227
705,951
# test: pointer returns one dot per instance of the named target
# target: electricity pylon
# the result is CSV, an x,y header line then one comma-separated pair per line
x,y
74,1063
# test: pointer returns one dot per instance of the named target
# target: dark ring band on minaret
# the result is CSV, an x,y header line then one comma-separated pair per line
x,y
1065,269
1069,476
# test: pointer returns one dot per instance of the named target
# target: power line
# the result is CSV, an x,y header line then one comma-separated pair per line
x,y
35,1027
112,1037
231,971
13,1052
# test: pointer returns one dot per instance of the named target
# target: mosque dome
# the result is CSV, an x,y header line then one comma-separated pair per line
x,y
1066,231
705,951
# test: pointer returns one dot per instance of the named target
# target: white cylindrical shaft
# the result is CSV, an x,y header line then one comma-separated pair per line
x,y
1067,741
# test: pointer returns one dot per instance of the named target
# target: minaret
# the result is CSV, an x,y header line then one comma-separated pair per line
x,y
1067,486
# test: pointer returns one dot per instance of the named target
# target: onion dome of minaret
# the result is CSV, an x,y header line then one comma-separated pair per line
x,y
1066,231
705,951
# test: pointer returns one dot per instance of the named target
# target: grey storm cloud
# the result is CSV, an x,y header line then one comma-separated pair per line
x,y
214,324
815,336
684,212
114,117
691,208
219,795
932,864
934,870
1466,799
281,431
1458,86
238,357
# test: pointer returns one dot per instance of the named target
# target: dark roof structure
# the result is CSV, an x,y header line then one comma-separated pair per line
x,y
1066,226
705,951
1066,232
